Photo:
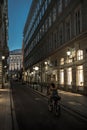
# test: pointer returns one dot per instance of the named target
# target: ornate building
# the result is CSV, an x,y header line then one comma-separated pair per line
x,y
4,51
55,41
15,62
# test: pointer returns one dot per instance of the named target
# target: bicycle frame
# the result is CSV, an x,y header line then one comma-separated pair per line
x,y
54,106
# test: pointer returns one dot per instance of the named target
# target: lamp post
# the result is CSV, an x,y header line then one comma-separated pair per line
x,y
36,68
3,58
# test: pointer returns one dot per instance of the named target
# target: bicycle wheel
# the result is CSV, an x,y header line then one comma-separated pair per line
x,y
50,107
57,110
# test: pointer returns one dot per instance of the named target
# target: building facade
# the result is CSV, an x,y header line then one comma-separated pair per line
x,y
55,41
4,50
15,63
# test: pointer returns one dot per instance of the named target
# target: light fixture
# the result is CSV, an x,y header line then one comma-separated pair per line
x,y
68,52
45,62
5,66
36,68
3,57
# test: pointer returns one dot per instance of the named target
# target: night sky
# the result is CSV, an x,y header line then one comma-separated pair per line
x,y
17,14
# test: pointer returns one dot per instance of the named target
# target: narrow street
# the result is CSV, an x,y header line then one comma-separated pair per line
x,y
32,112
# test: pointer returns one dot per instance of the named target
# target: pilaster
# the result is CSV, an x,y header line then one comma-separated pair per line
x,y
0,71
74,89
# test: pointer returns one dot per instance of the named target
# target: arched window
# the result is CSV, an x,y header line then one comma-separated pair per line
x,y
80,76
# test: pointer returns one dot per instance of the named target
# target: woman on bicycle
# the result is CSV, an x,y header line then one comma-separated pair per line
x,y
52,92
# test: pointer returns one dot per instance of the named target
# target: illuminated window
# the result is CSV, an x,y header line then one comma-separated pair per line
x,y
62,76
80,55
69,60
79,75
69,76
62,61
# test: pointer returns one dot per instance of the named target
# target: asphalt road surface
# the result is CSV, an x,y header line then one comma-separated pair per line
x,y
32,112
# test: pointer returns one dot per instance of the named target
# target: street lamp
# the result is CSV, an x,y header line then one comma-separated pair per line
x,y
3,58
68,52
36,68
5,66
71,53
45,63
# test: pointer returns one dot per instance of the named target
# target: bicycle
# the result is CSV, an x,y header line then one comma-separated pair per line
x,y
54,105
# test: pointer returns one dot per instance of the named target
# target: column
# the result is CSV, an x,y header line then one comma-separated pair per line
x,y
74,89
85,74
1,71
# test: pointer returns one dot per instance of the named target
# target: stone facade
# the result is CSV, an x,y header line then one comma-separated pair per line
x,y
4,51
55,28
15,62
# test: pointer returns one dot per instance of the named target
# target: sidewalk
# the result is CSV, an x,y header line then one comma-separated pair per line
x,y
75,102
5,109
71,101
7,116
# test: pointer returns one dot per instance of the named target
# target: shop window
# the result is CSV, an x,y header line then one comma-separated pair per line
x,y
62,76
69,76
79,75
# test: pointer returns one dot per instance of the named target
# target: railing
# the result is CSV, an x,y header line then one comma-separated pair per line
x,y
41,87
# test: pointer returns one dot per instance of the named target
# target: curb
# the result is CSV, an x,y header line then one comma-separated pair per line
x,y
13,114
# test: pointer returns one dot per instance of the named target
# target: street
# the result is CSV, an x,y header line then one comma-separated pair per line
x,y
32,112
